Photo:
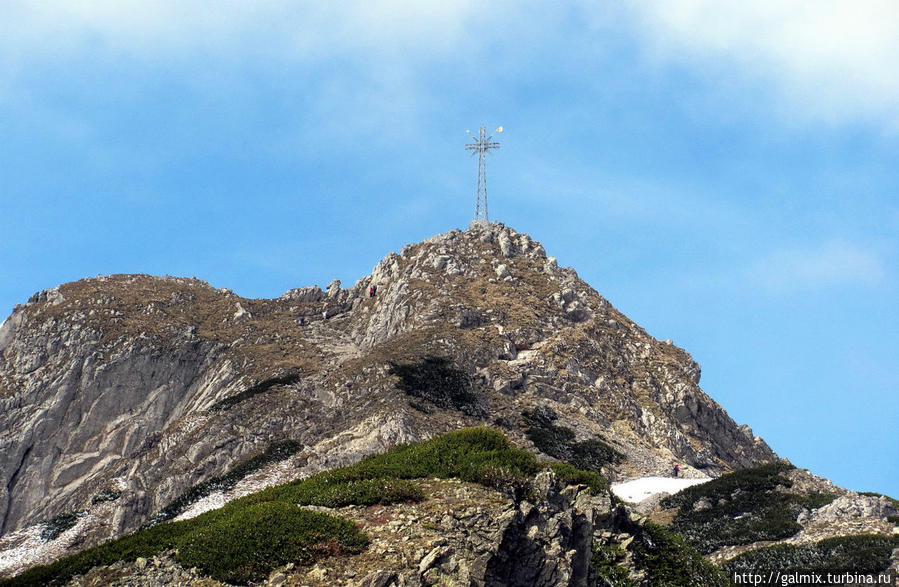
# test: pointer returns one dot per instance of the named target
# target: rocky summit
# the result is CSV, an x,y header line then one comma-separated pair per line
x,y
130,403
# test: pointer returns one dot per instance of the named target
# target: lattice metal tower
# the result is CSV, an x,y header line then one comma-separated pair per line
x,y
482,145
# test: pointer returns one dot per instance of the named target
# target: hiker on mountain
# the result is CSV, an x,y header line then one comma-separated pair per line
x,y
372,291
676,470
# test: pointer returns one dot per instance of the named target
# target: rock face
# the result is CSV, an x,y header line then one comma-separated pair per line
x,y
148,385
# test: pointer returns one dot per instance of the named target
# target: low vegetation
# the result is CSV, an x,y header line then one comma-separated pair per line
x,y
740,508
668,560
261,387
225,544
478,455
571,475
862,554
438,381
558,441
276,452
104,496
291,534
607,566
54,528
247,538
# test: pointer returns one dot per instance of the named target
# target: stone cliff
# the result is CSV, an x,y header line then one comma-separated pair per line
x,y
141,387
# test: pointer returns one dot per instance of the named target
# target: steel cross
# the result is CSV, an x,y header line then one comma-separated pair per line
x,y
482,145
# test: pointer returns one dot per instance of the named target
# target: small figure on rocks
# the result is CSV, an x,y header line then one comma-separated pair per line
x,y
676,470
372,291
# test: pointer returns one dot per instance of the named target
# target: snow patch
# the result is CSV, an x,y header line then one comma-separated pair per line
x,y
276,474
25,548
636,490
211,502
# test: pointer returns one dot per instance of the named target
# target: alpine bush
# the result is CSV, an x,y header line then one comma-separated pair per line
x,y
862,554
229,547
558,442
261,387
742,507
438,381
668,560
55,527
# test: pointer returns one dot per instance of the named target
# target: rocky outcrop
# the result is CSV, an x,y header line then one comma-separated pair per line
x,y
846,515
149,385
548,542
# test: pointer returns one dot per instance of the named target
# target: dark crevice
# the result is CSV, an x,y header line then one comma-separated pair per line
x,y
11,484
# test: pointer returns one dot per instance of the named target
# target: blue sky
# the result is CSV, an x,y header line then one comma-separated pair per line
x,y
723,172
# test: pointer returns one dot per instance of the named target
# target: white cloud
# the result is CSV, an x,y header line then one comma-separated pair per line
x,y
833,60
829,59
830,264
304,28
362,56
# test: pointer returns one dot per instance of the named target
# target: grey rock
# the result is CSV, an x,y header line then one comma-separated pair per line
x,y
333,288
432,558
506,246
122,379
304,294
379,579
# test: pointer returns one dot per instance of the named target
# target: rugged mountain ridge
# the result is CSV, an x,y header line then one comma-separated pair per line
x,y
143,386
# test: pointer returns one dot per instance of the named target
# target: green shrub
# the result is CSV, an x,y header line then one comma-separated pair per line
x,y
275,452
606,566
558,442
478,455
741,507
669,561
550,439
856,554
104,496
473,454
328,489
231,548
741,521
574,476
593,454
438,381
753,479
236,543
261,387
54,528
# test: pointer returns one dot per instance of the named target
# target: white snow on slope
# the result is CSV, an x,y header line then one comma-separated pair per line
x,y
636,490
25,548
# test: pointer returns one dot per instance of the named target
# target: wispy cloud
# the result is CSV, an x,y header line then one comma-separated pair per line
x,y
830,264
357,61
303,28
828,59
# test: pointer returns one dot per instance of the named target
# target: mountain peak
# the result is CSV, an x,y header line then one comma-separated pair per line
x,y
146,386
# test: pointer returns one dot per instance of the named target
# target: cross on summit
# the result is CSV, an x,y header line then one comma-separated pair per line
x,y
482,145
